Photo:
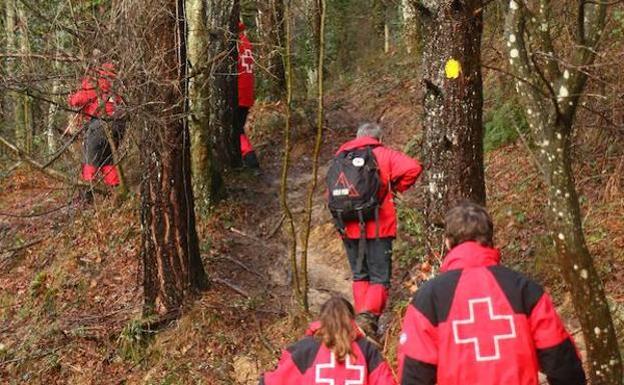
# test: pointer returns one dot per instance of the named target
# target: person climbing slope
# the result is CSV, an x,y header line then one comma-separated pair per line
x,y
246,96
99,105
361,181
481,323
334,351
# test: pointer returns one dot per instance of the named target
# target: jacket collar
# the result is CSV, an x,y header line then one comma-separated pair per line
x,y
470,254
359,142
316,325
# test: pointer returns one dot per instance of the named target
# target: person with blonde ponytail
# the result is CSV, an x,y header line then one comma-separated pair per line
x,y
334,351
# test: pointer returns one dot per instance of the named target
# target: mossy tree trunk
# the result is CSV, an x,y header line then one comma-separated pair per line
x,y
24,127
207,184
169,243
550,92
453,150
222,25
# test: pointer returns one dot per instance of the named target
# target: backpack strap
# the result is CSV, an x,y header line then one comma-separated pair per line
x,y
361,243
381,198
339,223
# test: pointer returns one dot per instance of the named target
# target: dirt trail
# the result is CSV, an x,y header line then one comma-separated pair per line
x,y
328,269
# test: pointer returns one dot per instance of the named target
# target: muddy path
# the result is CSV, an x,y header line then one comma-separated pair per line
x,y
265,230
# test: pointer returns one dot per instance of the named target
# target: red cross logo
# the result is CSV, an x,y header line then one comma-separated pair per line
x,y
327,373
484,330
247,61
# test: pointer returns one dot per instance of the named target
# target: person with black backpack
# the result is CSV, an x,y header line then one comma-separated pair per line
x,y
361,181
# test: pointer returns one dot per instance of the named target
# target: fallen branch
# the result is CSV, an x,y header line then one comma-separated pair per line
x,y
52,173
277,227
263,339
239,232
24,246
241,264
41,214
232,286
11,169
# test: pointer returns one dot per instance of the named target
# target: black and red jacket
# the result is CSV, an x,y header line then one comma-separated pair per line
x,y
309,362
481,323
397,171
246,62
97,92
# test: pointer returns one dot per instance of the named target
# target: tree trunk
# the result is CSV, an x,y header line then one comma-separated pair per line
x,y
169,243
271,28
207,184
222,24
576,263
411,27
550,98
24,107
10,68
452,109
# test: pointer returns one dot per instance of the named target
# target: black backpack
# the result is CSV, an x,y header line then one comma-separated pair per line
x,y
354,185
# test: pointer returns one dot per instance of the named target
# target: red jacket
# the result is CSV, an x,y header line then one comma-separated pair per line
x,y
245,72
309,362
481,323
396,170
96,93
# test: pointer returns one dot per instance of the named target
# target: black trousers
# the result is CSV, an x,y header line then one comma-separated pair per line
x,y
377,264
240,118
97,149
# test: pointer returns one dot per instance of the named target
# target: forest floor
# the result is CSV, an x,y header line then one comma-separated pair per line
x,y
70,274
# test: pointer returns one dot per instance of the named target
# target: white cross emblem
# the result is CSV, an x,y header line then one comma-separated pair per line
x,y
506,319
332,365
247,61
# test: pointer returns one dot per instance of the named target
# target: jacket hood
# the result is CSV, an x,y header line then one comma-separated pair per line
x,y
359,142
313,327
103,83
470,254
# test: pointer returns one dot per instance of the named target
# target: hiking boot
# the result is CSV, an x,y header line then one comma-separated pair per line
x,y
368,323
86,196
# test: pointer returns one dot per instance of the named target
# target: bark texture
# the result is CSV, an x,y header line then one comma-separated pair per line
x,y
222,24
452,107
550,93
169,245
207,184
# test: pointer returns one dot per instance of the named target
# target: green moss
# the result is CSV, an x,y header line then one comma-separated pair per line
x,y
503,122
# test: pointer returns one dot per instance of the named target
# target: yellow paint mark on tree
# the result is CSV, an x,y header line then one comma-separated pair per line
x,y
452,69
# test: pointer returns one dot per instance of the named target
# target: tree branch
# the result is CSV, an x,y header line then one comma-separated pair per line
x,y
52,173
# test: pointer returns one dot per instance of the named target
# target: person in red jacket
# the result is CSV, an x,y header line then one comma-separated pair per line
x,y
98,105
246,97
334,351
371,279
481,323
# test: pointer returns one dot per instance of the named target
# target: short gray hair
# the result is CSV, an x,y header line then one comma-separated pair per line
x,y
369,130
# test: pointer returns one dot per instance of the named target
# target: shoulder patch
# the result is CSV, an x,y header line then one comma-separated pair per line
x,y
370,352
304,352
521,292
434,298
